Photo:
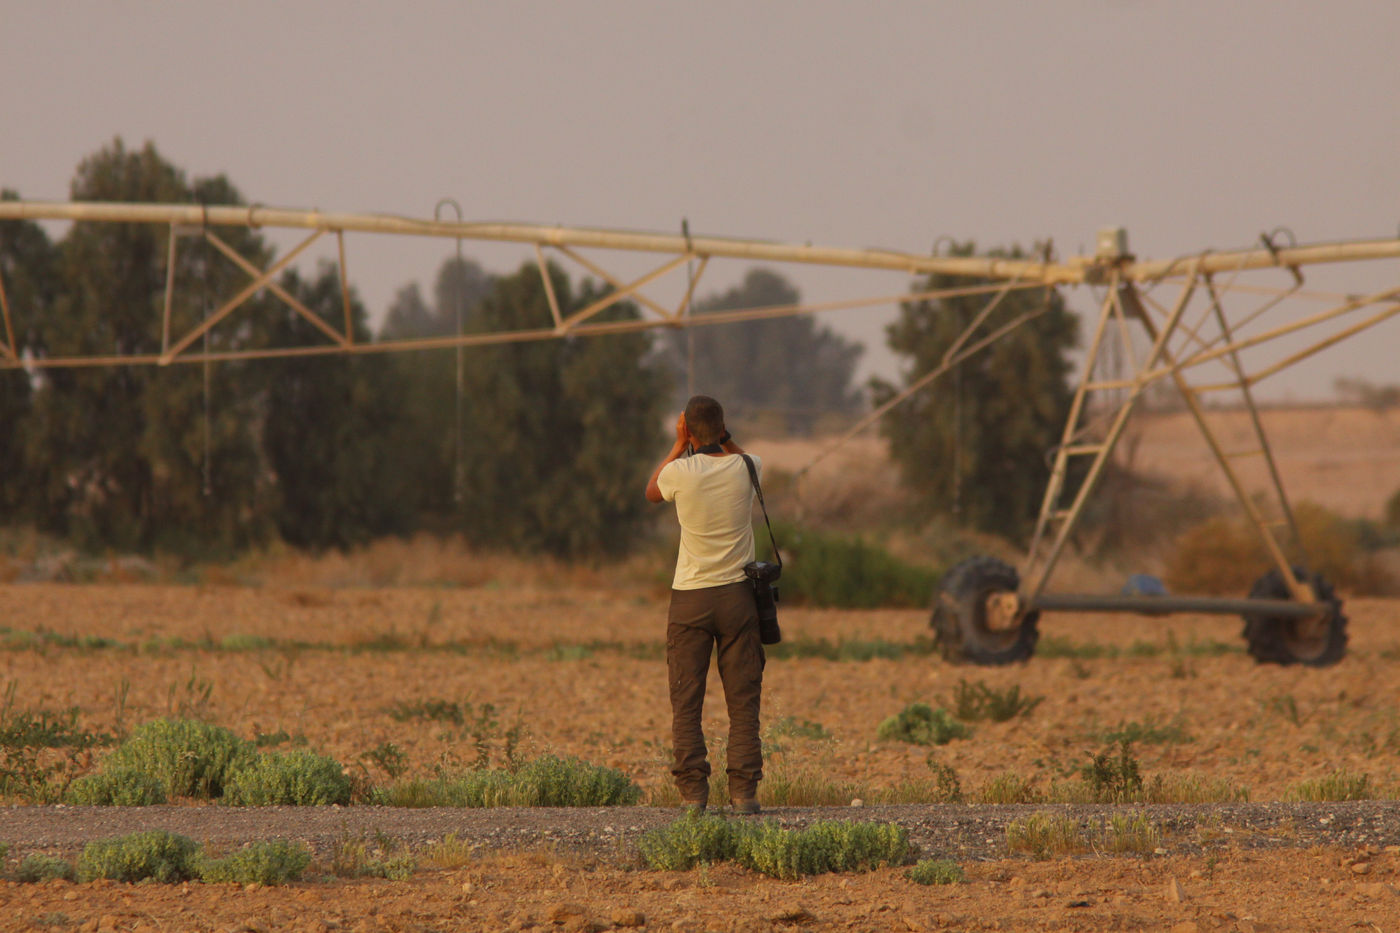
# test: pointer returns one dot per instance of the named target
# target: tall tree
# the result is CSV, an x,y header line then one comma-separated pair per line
x,y
332,430
28,262
974,444
429,378
788,368
138,457
560,432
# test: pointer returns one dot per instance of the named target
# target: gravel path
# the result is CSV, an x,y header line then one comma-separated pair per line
x,y
954,831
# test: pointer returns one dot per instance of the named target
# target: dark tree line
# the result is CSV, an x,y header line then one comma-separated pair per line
x,y
537,446
322,451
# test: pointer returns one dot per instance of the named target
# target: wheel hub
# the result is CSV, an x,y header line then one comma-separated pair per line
x,y
1003,611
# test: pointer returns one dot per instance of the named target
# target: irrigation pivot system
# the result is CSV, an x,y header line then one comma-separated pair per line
x,y
1202,323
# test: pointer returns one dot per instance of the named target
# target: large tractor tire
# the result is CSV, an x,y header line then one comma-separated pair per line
x,y
977,616
1313,642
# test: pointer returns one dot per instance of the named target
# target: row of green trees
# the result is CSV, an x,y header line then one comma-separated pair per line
x,y
545,448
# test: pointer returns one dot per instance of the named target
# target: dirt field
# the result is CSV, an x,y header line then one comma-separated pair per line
x,y
579,668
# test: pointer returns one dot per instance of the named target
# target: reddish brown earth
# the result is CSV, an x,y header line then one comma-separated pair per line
x,y
579,668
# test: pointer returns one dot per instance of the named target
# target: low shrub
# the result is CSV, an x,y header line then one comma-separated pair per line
x,y
1042,835
690,841
846,573
1009,788
189,758
1113,779
298,778
921,724
827,846
935,871
1223,556
379,857
156,854
973,702
1192,788
548,781
1131,832
271,862
1340,785
118,787
36,868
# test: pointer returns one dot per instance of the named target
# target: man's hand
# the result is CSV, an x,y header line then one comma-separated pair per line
x,y
678,448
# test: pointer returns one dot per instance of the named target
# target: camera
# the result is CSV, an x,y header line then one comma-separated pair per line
x,y
764,576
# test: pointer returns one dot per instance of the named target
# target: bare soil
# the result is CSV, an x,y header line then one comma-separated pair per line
x,y
580,669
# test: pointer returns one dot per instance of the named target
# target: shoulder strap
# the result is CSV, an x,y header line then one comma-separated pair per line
x,y
758,490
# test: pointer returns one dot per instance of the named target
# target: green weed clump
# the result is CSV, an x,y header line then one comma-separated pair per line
x,y
847,573
1340,785
974,702
162,856
189,758
1131,833
1042,835
547,781
117,787
921,724
1008,788
372,857
935,871
36,868
1114,779
1192,788
827,846
1149,732
40,751
299,778
271,862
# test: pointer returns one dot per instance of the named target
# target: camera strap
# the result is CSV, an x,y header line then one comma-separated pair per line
x,y
758,490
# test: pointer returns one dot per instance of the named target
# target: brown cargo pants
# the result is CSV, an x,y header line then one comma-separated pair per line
x,y
700,621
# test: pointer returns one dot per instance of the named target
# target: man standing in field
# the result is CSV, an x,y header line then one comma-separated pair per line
x,y
712,602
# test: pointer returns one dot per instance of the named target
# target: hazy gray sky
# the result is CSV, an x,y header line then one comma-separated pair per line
x,y
1193,124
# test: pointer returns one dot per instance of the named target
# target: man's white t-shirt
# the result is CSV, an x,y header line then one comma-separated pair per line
x,y
714,503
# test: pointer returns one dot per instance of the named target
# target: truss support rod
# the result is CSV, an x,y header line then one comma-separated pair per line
x,y
609,300
1299,590
169,290
9,348
344,291
548,288
248,291
311,316
927,378
612,279
1165,605
684,307
1036,586
1248,395
1076,406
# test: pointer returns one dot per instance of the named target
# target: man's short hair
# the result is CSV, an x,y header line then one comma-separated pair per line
x,y
705,419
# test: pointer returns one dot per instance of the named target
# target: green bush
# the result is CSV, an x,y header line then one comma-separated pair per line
x,y
973,702
119,787
845,573
826,846
548,781
156,854
689,841
377,857
274,862
935,871
823,847
920,724
299,778
36,868
189,758
1114,779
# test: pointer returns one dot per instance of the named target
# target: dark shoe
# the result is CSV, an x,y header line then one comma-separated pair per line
x,y
746,807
